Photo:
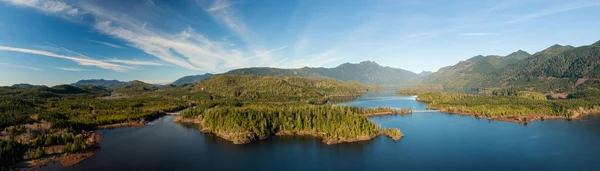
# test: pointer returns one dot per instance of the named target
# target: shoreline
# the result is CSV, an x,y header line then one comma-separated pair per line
x,y
397,112
523,119
66,159
71,159
143,120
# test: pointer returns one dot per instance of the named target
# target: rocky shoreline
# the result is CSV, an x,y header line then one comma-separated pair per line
x,y
395,112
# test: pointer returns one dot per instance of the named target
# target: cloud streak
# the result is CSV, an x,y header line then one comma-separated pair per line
x,y
107,44
70,69
47,6
80,61
551,11
134,62
20,66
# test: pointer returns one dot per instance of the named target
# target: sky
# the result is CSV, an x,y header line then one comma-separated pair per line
x,y
50,42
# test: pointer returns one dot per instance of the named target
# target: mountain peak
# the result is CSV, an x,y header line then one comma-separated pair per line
x,y
555,46
425,73
368,63
556,49
520,54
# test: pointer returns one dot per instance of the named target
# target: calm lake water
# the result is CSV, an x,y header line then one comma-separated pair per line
x,y
433,141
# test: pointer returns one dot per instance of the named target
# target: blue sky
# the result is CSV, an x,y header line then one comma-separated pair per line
x,y
61,41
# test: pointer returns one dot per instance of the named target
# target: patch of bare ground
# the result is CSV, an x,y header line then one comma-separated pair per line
x,y
67,159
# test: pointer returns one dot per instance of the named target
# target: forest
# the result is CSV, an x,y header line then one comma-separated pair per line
x,y
252,122
39,121
520,106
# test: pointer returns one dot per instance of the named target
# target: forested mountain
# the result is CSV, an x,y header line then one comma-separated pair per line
x,y
461,74
557,69
134,86
99,82
270,87
191,79
425,73
366,72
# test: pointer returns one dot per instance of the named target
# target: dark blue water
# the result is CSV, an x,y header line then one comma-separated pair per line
x,y
433,141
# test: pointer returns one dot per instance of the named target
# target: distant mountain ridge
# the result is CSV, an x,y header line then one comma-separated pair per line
x,y
366,72
191,79
100,83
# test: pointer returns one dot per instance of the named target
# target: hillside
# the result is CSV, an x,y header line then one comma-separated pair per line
x,y
133,87
270,87
556,69
458,76
366,72
99,82
191,79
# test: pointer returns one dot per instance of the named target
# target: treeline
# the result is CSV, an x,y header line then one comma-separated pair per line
x,y
488,106
332,123
507,92
410,92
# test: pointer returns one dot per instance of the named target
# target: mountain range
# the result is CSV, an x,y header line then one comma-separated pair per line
x,y
556,69
366,72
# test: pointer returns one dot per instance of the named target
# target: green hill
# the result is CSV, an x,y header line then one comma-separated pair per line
x,y
270,87
366,72
191,79
459,76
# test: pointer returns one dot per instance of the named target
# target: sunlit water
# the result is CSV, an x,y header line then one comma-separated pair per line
x,y
433,141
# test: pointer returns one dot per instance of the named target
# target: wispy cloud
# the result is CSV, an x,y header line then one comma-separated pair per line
x,y
233,21
187,48
48,6
266,53
107,44
478,34
20,66
80,61
555,10
134,62
314,60
70,69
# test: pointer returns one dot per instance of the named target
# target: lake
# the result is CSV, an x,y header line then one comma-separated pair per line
x,y
433,141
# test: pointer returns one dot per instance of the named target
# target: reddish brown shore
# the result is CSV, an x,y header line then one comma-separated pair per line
x,y
124,124
57,154
67,160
